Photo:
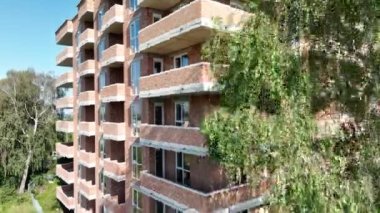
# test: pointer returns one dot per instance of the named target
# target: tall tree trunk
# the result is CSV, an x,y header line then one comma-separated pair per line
x,y
26,170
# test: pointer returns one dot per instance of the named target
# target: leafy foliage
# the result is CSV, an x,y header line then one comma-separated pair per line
x,y
293,66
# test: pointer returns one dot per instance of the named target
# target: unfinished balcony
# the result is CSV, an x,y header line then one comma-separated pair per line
x,y
114,160
195,78
86,98
87,188
64,102
65,150
192,24
86,68
87,158
159,5
66,78
114,131
65,194
86,205
65,58
113,124
64,126
64,34
114,204
113,93
66,172
189,198
87,128
114,195
113,56
113,19
86,9
180,139
87,39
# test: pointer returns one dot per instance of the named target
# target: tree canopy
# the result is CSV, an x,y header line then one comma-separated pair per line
x,y
300,103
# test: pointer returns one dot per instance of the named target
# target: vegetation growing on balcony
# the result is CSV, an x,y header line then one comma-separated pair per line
x,y
292,67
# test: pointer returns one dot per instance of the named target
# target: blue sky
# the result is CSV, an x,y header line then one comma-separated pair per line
x,y
27,33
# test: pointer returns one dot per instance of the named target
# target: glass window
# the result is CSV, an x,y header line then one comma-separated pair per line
x,y
136,117
181,113
101,47
133,5
102,111
100,17
102,78
102,143
136,161
158,65
181,61
134,28
156,17
183,168
136,201
135,75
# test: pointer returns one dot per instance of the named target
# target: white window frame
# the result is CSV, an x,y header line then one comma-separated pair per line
x,y
133,5
135,162
180,57
162,112
134,39
175,113
156,15
135,204
182,168
160,60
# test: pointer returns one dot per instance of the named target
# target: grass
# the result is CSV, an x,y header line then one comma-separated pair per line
x,y
11,202
47,199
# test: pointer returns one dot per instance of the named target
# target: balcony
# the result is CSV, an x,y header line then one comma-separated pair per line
x,y
114,131
113,93
86,39
64,126
87,159
65,172
180,139
87,189
201,201
65,150
66,78
87,68
64,34
112,205
65,194
86,98
196,78
86,9
113,19
65,58
189,25
113,55
65,102
87,128
159,5
114,169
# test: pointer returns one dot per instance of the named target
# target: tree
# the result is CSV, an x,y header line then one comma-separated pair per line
x,y
300,103
27,133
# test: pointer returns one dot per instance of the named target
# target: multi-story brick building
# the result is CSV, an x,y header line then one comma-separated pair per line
x,y
140,91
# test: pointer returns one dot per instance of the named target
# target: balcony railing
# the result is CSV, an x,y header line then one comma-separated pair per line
x,y
194,78
114,169
64,34
65,58
182,139
65,102
65,78
113,55
87,68
86,8
65,150
86,98
189,25
114,131
113,19
159,5
113,93
87,38
87,189
87,128
88,159
202,202
64,126
65,172
65,194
